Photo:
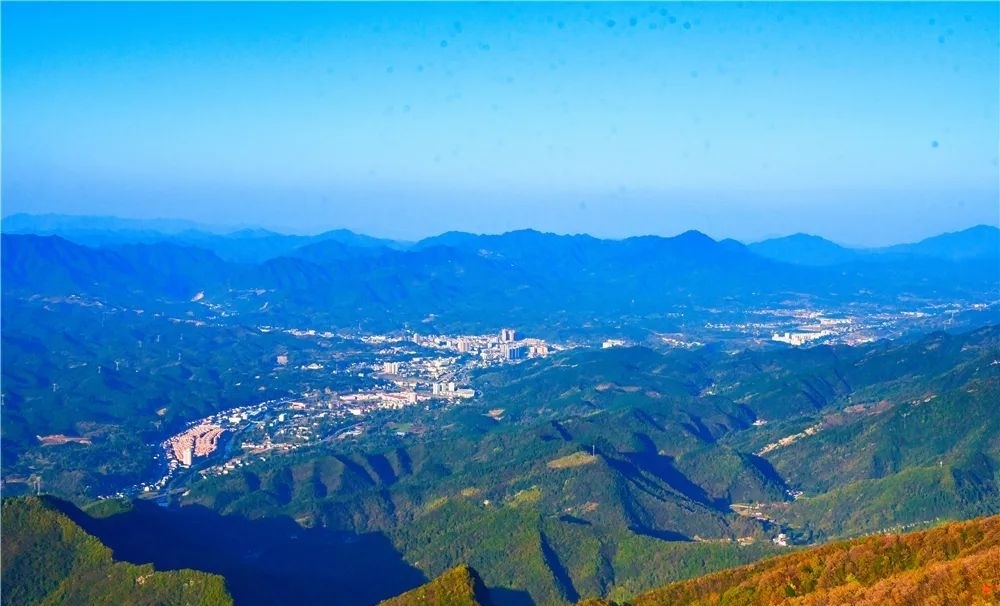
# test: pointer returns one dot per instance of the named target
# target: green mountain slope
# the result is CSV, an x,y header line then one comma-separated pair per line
x,y
459,586
600,473
910,449
608,473
956,563
48,559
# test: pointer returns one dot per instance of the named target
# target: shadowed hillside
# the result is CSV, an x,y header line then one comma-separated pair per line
x,y
267,561
49,559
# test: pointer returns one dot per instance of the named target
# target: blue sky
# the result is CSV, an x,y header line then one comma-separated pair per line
x,y
865,123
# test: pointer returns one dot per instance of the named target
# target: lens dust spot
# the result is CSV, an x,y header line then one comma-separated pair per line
x,y
935,144
610,23
444,44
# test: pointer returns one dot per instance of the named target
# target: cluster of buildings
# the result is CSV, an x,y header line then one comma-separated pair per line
x,y
501,347
800,338
201,438
817,327
198,441
408,377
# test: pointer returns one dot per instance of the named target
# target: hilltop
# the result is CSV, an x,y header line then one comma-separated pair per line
x,y
608,473
693,442
460,586
956,563
49,559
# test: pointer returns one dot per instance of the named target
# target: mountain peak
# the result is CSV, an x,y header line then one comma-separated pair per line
x,y
803,249
693,235
459,586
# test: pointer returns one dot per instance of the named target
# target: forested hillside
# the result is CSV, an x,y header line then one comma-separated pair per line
x,y
459,586
608,473
48,559
956,563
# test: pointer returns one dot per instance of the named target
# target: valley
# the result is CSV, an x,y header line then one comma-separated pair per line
x,y
499,304
562,450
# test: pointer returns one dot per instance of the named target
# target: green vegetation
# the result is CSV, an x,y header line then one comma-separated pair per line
x,y
572,460
612,473
49,559
122,380
956,563
608,473
459,586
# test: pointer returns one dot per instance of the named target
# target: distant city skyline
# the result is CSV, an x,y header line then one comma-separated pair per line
x,y
865,123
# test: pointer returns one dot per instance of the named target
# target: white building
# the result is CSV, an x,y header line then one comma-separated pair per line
x,y
187,456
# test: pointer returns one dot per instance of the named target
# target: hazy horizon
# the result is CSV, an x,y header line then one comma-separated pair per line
x,y
169,225
868,124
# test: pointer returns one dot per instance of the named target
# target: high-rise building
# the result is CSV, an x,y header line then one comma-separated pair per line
x,y
463,345
515,352
540,350
187,456
391,368
507,335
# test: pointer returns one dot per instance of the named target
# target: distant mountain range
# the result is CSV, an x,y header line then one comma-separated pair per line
x,y
458,279
981,241
255,244
592,472
242,245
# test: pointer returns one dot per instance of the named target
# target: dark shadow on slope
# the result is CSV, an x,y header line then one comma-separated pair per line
x,y
565,435
648,419
662,468
696,427
663,535
266,561
766,470
503,596
480,593
563,581
382,468
574,520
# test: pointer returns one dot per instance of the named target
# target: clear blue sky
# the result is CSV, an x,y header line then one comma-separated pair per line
x,y
866,123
